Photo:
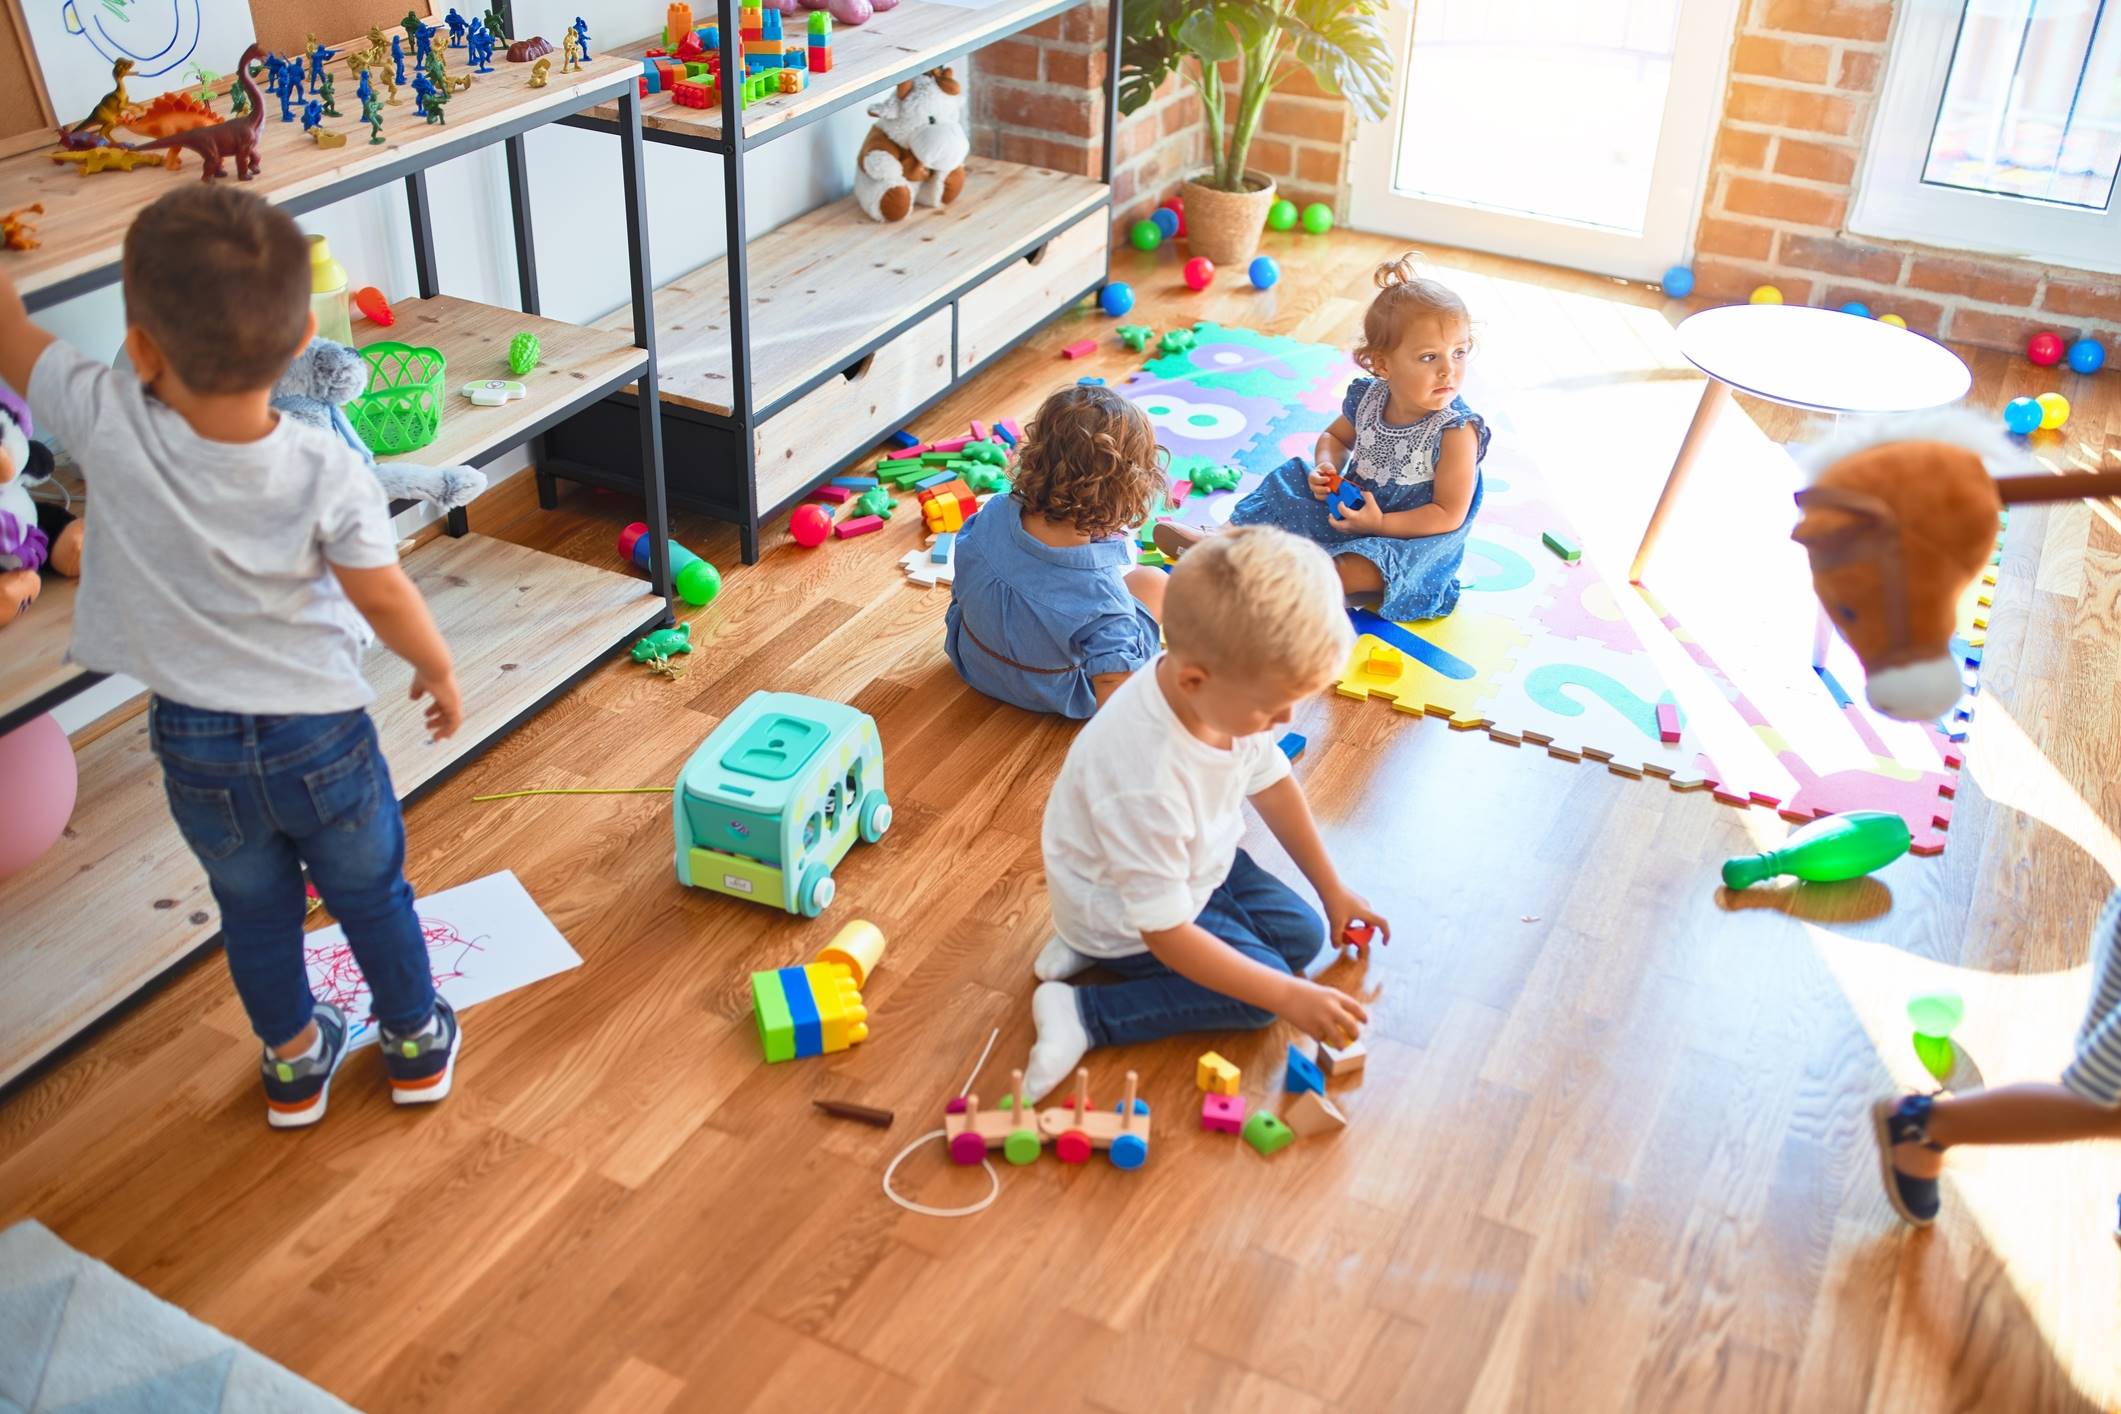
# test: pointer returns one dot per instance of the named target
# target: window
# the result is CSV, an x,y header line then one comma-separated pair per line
x,y
1999,129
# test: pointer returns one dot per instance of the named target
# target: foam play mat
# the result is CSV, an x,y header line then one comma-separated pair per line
x,y
1559,654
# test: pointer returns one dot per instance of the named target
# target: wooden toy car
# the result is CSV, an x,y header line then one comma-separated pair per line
x,y
774,798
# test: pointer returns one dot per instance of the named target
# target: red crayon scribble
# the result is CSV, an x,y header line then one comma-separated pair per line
x,y
335,977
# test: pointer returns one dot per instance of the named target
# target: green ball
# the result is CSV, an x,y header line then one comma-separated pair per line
x,y
1318,218
1936,1013
1145,235
1282,215
524,352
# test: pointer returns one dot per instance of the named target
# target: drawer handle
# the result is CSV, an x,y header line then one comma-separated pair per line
x,y
859,368
1034,257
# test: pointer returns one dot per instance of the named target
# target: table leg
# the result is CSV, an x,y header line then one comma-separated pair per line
x,y
1713,398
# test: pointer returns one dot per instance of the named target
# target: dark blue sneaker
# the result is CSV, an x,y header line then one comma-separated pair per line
x,y
421,1065
296,1090
1906,1121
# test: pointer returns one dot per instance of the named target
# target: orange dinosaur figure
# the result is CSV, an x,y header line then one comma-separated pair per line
x,y
231,138
169,114
15,230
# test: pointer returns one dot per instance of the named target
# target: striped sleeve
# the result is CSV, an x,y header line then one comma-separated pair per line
x,y
2096,1072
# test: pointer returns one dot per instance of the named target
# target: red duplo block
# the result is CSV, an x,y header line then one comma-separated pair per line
x,y
690,94
860,525
1081,350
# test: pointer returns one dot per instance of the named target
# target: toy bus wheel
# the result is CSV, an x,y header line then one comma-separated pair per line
x,y
818,891
1073,1147
1022,1146
1129,1151
967,1148
876,817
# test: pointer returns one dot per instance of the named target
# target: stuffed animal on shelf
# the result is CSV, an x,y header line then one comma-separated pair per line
x,y
33,534
917,150
316,388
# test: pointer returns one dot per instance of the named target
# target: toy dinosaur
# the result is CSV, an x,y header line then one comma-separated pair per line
x,y
109,109
664,643
236,137
1215,478
15,230
1176,341
876,501
985,479
168,114
106,159
1135,336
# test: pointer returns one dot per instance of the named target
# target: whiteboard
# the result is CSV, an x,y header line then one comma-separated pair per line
x,y
77,41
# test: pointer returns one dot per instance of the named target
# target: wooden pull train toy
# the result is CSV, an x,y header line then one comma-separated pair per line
x,y
1074,1128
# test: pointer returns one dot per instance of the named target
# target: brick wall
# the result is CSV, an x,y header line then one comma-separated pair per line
x,y
1804,77
1039,98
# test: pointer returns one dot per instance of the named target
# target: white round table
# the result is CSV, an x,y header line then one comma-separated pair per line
x,y
1820,360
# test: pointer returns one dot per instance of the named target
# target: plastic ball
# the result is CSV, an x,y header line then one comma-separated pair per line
x,y
1318,218
1281,216
1145,236
1129,1151
1858,308
2087,356
1166,220
1177,208
37,762
1200,273
809,524
1116,298
1893,319
2045,349
1263,271
1765,294
1022,1146
2054,410
967,1148
1936,1013
1678,282
2021,415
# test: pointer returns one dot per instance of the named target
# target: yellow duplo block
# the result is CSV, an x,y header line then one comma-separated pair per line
x,y
842,1019
1383,662
858,947
1216,1075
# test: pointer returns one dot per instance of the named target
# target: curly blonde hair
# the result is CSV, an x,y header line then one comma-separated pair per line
x,y
1403,294
1089,460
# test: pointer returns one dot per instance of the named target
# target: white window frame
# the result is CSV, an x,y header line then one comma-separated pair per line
x,y
1894,202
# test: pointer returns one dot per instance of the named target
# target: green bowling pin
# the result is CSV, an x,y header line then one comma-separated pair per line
x,y
1829,849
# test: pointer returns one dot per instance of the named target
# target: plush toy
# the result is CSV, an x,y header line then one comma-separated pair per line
x,y
33,534
316,388
916,151
1899,518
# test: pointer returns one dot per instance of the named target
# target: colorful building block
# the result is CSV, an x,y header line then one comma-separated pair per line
x,y
692,94
1302,1074
859,525
1223,1113
769,22
651,79
807,1011
1384,662
1080,350
855,483
943,514
1667,722
939,552
1267,1134
838,495
820,58
820,27
1216,1075
1342,1060
1011,433
903,439
791,80
1292,746
1563,546
1312,1114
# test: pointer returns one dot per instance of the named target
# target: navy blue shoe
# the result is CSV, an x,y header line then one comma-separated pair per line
x,y
1906,1121
422,1065
296,1091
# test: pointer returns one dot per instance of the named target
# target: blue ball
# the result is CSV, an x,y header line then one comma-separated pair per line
x,y
1166,221
1678,282
1263,271
2022,415
1116,298
2087,356
1858,308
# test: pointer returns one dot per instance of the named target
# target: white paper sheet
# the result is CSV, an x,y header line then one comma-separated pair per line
x,y
483,938
77,41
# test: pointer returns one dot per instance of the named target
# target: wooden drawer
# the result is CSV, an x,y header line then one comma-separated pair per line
x,y
1011,300
852,411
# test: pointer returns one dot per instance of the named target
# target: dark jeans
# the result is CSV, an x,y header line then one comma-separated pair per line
x,y
1253,912
259,797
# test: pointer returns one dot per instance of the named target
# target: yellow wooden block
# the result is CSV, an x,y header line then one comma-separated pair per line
x,y
1216,1075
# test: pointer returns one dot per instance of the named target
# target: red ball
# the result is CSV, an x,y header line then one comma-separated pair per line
x,y
2045,349
1200,273
1177,208
810,524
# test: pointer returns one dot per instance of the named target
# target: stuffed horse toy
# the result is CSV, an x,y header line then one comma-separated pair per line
x,y
1899,519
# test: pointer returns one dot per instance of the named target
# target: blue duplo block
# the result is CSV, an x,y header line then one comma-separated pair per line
x,y
1292,745
802,1010
654,77
1303,1073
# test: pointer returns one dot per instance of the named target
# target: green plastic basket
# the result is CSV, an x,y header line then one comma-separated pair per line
x,y
402,409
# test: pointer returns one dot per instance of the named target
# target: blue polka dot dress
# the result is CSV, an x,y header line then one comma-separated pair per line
x,y
1396,463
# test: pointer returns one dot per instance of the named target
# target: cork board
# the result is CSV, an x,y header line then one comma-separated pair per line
x,y
284,24
25,112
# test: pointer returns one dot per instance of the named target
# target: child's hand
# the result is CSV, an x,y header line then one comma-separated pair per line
x,y
1321,481
1344,906
445,709
1321,1012
1365,519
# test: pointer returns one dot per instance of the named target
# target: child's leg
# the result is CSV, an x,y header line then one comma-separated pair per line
x,y
1274,912
1146,583
2020,1114
1359,578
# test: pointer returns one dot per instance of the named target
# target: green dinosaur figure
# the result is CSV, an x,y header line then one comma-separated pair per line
x,y
1136,336
663,644
983,479
992,453
1216,478
876,501
1177,341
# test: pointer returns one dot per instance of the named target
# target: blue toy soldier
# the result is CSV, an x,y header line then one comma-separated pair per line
x,y
455,22
421,89
283,88
481,48
397,57
426,45
312,114
366,93
581,35
318,58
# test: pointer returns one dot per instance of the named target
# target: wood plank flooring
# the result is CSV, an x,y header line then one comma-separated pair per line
x,y
1609,1152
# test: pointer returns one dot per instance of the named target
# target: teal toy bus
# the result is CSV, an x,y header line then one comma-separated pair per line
x,y
774,798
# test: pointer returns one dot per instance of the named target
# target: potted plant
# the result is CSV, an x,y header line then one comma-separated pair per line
x,y
1341,42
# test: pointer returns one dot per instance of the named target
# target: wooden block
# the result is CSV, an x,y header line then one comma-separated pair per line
x,y
1302,1073
859,525
955,444
1011,433
1216,1075
1292,745
1267,1134
1667,722
1081,350
939,552
1342,1060
1180,490
979,430
1223,1113
1562,545
837,495
1313,1114
855,483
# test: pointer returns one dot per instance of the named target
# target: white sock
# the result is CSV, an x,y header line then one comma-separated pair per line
x,y
314,1049
1062,1040
1057,961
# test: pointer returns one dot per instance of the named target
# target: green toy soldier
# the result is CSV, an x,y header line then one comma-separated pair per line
x,y
411,25
372,114
324,91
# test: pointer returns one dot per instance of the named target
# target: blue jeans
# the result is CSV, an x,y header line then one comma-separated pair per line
x,y
259,797
1253,912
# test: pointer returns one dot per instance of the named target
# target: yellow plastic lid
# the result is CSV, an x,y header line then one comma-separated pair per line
x,y
325,274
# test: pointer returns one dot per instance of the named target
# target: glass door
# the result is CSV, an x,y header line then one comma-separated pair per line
x,y
1570,131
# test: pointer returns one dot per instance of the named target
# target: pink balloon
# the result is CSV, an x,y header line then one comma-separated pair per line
x,y
37,785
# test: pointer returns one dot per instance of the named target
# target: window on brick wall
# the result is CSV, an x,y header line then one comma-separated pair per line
x,y
1999,129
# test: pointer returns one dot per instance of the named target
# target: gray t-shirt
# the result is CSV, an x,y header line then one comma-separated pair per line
x,y
205,571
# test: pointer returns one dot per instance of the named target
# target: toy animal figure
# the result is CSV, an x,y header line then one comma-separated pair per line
x,y
917,150
541,73
236,137
170,113
32,534
15,230
327,375
109,109
1898,520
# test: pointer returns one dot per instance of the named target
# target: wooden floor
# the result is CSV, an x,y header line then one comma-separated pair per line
x,y
1610,1152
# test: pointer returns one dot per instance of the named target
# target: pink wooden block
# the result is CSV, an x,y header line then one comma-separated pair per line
x,y
905,454
979,430
1667,722
1223,1112
860,525
955,444
838,495
1008,424
1180,490
1081,350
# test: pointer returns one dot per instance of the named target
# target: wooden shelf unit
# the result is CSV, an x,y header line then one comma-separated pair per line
x,y
794,354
